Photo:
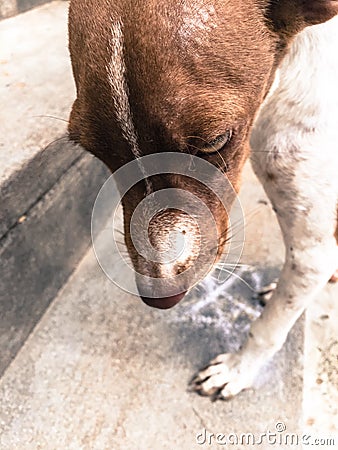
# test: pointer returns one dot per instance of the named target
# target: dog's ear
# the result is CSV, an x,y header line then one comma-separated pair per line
x,y
318,11
288,17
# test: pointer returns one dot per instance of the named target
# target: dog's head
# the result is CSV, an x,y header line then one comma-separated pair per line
x,y
177,76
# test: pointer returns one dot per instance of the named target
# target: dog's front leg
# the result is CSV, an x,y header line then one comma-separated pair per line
x,y
303,193
310,260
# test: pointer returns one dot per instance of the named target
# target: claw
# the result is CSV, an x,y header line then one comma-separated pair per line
x,y
266,292
216,396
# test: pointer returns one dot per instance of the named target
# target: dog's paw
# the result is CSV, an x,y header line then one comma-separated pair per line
x,y
224,377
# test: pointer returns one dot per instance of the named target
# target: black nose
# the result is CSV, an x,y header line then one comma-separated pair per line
x,y
164,302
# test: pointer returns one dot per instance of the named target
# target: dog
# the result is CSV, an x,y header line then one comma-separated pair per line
x,y
208,78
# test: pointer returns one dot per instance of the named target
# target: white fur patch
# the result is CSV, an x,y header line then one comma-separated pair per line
x,y
295,155
197,17
120,95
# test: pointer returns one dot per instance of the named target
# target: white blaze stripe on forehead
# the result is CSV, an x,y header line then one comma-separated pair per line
x,y
117,79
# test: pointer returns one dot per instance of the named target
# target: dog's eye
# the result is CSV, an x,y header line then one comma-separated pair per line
x,y
218,143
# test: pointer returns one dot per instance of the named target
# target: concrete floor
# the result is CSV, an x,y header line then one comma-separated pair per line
x,y
103,371
37,170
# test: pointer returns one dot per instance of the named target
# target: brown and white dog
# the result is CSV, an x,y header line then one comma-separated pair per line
x,y
192,76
